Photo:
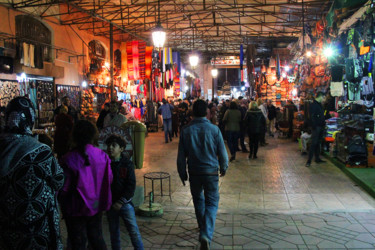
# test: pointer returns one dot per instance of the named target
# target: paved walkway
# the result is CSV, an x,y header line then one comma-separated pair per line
x,y
273,202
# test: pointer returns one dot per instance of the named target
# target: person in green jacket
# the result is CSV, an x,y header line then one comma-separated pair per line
x,y
232,119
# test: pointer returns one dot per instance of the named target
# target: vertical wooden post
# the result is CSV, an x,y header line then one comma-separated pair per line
x,y
111,59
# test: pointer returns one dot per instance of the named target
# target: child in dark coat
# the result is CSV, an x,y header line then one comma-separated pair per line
x,y
123,188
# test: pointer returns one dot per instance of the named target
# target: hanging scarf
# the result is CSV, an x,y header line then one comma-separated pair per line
x,y
278,70
135,52
148,61
124,63
142,59
129,52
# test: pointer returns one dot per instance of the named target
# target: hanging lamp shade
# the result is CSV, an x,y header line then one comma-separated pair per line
x,y
158,36
193,59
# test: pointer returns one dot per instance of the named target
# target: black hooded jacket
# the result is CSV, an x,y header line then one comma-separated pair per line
x,y
255,121
124,181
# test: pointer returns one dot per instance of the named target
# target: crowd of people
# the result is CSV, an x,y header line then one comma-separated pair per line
x,y
77,176
86,182
236,119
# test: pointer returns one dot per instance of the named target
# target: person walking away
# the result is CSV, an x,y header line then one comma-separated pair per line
x,y
63,133
318,126
175,121
166,113
114,118
263,108
243,110
290,109
123,188
30,178
271,118
183,108
103,113
202,146
232,119
255,124
65,101
87,188
222,111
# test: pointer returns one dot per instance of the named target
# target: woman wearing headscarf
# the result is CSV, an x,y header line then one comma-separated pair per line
x,y
29,179
87,188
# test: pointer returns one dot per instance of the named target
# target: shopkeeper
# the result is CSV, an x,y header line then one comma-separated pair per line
x,y
65,101
114,118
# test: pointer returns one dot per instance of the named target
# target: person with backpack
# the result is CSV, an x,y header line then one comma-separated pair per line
x,y
317,121
87,189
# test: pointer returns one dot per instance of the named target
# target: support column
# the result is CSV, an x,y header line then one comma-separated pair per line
x,y
111,59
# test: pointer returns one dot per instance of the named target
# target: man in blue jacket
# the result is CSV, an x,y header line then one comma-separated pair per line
x,y
166,112
318,125
202,147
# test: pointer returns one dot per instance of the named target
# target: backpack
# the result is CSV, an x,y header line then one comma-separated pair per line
x,y
357,146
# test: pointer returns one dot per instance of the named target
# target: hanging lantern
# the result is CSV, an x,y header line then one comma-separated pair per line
x,y
193,59
158,36
214,73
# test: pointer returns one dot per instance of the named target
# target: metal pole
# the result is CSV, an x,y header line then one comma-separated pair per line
x,y
111,58
213,88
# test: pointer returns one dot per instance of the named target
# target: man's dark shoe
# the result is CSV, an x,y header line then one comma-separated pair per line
x,y
255,157
320,161
205,245
232,158
304,153
308,164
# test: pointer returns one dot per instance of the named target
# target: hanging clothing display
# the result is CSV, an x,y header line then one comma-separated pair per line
x,y
135,54
129,51
142,58
124,63
337,88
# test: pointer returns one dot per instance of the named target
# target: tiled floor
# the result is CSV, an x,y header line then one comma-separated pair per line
x,y
273,202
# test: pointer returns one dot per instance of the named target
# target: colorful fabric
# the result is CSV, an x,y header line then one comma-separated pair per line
x,y
135,53
129,52
124,63
148,61
142,58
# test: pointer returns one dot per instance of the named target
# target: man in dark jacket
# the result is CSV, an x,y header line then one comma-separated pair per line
x,y
65,101
102,115
123,188
318,126
255,124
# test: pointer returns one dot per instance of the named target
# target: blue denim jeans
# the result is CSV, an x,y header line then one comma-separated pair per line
x,y
232,140
128,215
167,123
205,192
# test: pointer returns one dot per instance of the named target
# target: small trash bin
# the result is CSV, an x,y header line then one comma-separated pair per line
x,y
138,133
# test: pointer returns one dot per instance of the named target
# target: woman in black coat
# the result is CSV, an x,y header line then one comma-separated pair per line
x,y
255,124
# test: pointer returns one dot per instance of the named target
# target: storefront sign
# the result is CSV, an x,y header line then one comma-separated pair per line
x,y
228,60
